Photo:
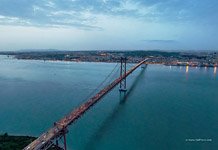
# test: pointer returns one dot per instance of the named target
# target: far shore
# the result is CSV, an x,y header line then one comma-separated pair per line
x,y
191,59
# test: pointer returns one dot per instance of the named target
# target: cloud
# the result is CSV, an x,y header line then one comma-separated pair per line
x,y
108,24
45,14
82,14
161,41
13,20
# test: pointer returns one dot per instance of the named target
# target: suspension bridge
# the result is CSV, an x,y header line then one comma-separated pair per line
x,y
59,130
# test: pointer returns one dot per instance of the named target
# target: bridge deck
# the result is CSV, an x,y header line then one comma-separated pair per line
x,y
59,127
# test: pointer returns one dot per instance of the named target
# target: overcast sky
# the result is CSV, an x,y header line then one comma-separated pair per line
x,y
109,24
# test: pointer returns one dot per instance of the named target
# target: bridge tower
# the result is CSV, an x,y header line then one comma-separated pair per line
x,y
123,72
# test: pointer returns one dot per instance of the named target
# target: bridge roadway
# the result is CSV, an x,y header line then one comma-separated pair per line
x,y
46,139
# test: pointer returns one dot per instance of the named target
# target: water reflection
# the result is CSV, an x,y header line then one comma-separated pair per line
x,y
187,68
214,71
107,122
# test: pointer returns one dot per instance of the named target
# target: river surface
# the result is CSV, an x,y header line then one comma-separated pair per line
x,y
165,108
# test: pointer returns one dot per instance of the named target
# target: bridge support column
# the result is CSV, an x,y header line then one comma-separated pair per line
x,y
123,72
60,141
56,142
65,141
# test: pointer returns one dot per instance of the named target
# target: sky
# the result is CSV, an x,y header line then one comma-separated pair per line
x,y
109,24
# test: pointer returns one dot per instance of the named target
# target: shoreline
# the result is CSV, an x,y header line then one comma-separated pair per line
x,y
160,60
148,63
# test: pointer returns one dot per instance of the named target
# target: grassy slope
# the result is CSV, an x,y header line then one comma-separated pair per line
x,y
14,142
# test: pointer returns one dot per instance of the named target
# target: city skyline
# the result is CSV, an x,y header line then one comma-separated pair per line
x,y
108,25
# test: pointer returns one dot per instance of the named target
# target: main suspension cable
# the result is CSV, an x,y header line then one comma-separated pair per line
x,y
102,83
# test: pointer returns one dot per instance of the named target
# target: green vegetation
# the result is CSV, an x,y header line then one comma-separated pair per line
x,y
8,142
14,142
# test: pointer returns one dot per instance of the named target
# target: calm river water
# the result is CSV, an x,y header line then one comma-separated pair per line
x,y
166,108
